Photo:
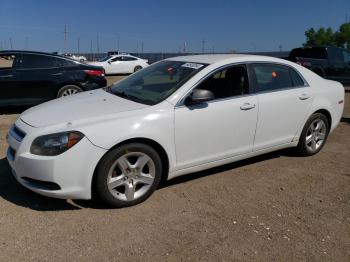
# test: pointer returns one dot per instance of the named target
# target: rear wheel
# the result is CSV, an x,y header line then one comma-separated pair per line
x,y
137,68
128,175
69,90
314,135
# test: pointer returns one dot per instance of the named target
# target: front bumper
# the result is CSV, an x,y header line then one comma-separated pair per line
x,y
71,171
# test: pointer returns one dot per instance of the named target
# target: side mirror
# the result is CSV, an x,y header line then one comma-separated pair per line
x,y
199,96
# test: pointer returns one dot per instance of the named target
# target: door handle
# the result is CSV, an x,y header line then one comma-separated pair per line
x,y
247,106
304,97
7,76
56,74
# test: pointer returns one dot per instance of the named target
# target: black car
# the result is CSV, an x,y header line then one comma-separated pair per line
x,y
327,61
29,78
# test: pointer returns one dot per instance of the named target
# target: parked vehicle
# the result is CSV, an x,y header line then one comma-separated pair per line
x,y
30,78
328,62
121,64
175,117
79,58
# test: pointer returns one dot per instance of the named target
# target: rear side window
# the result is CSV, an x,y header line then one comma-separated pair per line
x,y
128,58
61,62
7,61
32,61
297,80
272,77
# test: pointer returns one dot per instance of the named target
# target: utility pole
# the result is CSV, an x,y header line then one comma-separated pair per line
x,y
203,45
142,47
98,44
27,42
78,45
5,43
212,50
65,32
280,47
11,44
185,48
117,42
91,50
1,47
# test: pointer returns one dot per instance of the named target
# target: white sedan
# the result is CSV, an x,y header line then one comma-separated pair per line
x,y
176,117
121,64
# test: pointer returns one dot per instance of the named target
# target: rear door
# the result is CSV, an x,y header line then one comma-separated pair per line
x,y
284,100
129,63
9,82
39,76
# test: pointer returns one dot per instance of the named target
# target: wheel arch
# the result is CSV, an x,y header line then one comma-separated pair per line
x,y
150,142
327,114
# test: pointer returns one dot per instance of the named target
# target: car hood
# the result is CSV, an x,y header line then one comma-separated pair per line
x,y
82,107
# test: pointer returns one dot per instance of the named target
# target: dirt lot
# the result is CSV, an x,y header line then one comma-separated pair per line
x,y
277,207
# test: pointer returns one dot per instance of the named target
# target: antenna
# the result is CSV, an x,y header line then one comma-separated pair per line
x,y
65,32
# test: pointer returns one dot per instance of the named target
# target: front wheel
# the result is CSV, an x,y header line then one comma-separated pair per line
x,y
314,135
128,175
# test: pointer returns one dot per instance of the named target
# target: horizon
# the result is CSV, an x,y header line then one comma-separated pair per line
x,y
156,27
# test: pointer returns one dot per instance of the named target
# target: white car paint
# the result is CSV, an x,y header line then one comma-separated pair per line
x,y
193,139
121,64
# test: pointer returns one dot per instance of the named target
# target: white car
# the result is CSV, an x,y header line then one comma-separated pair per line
x,y
176,117
121,64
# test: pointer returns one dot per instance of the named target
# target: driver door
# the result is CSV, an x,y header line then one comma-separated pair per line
x,y
221,128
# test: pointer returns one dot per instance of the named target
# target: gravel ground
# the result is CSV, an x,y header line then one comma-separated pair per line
x,y
276,207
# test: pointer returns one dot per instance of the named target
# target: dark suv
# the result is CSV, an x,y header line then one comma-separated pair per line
x,y
29,78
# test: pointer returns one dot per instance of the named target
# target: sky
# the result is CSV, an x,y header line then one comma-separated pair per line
x,y
164,26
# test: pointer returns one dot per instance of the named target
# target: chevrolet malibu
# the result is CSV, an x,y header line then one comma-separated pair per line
x,y
175,117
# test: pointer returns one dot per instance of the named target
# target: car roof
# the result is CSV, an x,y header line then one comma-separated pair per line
x,y
216,58
2,52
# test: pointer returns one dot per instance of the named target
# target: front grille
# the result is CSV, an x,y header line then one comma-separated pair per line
x,y
17,133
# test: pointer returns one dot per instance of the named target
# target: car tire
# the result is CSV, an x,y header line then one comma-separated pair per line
x,y
314,135
137,68
128,175
69,90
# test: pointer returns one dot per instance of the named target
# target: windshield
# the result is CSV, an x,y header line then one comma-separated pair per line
x,y
156,82
105,58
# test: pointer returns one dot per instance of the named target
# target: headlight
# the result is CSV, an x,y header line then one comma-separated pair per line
x,y
55,144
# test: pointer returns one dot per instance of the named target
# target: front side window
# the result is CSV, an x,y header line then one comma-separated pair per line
x,y
156,82
7,61
32,61
106,58
228,82
272,77
118,58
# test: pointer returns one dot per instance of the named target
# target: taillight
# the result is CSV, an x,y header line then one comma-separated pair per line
x,y
95,72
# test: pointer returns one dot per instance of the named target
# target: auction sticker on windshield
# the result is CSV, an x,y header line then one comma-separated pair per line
x,y
192,65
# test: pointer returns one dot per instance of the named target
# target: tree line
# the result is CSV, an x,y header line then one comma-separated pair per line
x,y
322,36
